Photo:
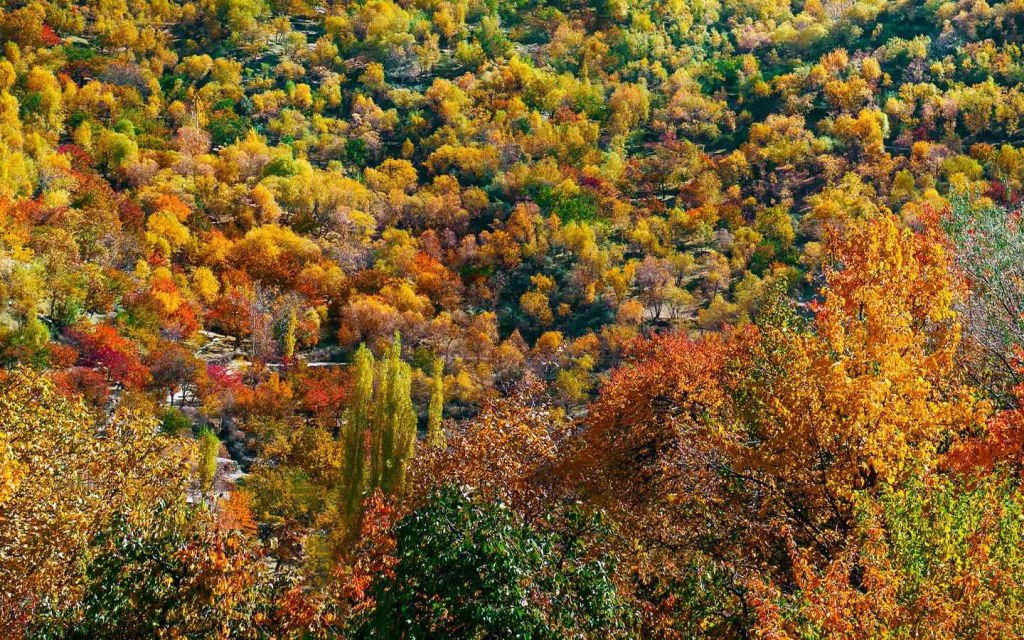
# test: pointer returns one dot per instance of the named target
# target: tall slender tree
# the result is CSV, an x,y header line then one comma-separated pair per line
x,y
356,430
288,339
435,434
381,416
209,445
394,422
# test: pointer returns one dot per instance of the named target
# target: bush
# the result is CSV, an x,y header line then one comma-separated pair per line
x,y
173,421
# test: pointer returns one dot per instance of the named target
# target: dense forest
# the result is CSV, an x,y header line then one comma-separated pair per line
x,y
492,319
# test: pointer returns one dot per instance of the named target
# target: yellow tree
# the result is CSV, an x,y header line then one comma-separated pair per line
x,y
356,429
435,411
65,474
394,424
866,392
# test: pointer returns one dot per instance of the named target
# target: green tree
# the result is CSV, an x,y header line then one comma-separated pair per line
x,y
394,423
209,445
356,430
382,413
472,569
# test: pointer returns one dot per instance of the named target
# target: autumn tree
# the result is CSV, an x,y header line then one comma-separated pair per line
x,y
172,573
435,431
783,425
871,376
103,348
394,423
503,452
357,429
209,446
932,558
75,472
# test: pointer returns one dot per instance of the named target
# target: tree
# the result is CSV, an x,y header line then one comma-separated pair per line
x,y
209,446
866,393
357,430
522,582
654,279
75,471
435,432
504,452
934,558
288,339
11,471
103,348
987,241
176,371
236,313
172,574
722,443
273,254
382,416
394,423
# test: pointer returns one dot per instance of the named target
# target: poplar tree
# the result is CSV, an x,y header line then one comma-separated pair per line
x,y
394,437
435,434
359,414
381,412
288,339
209,445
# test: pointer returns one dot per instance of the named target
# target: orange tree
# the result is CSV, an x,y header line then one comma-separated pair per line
x,y
725,449
861,394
